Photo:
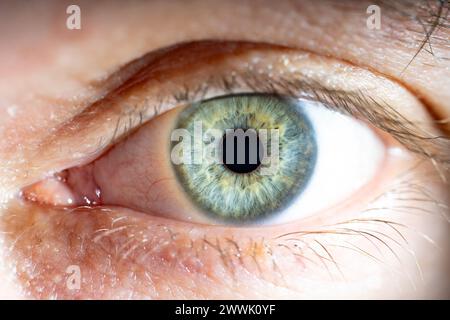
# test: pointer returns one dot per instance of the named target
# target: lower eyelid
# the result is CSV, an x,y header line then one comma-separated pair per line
x,y
107,244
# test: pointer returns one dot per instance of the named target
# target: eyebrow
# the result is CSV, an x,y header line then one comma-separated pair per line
x,y
429,17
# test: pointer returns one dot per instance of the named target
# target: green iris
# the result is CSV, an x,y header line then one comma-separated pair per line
x,y
284,153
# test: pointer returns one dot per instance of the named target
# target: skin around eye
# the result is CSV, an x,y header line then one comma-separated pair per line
x,y
115,245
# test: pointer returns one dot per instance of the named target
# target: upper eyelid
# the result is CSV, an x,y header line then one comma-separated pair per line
x,y
129,115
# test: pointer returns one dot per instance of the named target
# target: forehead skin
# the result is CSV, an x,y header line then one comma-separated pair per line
x,y
56,62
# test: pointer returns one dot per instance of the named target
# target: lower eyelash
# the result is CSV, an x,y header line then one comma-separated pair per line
x,y
378,226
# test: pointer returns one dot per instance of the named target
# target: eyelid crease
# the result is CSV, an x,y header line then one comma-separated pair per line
x,y
122,111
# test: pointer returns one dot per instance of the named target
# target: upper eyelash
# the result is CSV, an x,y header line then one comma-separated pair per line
x,y
353,103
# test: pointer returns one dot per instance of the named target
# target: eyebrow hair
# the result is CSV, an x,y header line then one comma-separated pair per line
x,y
429,16
426,18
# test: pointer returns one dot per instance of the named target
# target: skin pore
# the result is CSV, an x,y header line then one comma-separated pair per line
x,y
50,74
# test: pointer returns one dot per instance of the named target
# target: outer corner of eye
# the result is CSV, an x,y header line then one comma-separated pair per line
x,y
247,159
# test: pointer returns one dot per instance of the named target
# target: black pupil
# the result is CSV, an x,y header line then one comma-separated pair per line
x,y
246,148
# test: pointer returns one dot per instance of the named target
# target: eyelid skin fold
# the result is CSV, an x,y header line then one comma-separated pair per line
x,y
176,75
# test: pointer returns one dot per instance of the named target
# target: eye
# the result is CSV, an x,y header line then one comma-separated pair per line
x,y
290,158
234,150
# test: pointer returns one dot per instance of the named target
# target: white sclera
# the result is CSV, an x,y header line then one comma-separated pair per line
x,y
349,156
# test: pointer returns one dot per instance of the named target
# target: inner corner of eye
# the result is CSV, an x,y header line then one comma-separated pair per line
x,y
72,187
